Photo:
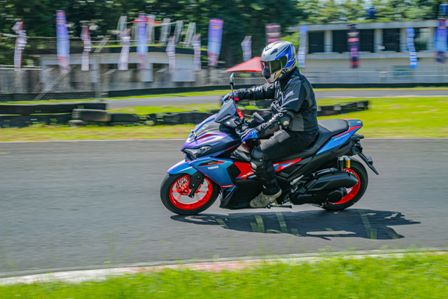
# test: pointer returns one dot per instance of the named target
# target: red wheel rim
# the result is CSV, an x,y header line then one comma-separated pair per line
x,y
180,190
351,192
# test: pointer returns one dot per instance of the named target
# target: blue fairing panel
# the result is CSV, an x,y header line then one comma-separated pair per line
x,y
215,169
340,139
182,167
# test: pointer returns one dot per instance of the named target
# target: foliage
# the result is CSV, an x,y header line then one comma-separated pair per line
x,y
241,17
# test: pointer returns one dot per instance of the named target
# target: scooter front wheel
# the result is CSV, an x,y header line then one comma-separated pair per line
x,y
175,194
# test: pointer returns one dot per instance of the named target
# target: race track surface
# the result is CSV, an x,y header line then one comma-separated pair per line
x,y
320,94
86,204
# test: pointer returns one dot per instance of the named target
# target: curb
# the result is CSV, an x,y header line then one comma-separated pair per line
x,y
217,265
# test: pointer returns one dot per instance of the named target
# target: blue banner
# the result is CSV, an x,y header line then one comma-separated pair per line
x,y
411,47
62,41
142,39
302,45
214,40
441,41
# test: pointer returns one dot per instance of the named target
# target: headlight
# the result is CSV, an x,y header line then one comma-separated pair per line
x,y
194,153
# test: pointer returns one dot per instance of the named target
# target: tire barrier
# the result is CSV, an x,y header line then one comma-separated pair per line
x,y
91,115
25,109
82,116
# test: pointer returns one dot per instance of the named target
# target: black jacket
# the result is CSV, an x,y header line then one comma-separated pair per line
x,y
293,95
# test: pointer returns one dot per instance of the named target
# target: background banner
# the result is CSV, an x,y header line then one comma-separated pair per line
x,y
63,42
165,31
18,28
142,39
273,32
125,40
196,42
411,47
303,41
246,45
441,41
214,40
171,53
353,45
191,31
87,42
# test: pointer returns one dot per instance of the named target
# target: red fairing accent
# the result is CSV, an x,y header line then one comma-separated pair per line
x,y
282,165
240,114
245,170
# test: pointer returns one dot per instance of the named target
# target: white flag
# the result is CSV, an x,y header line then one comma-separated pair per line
x,y
125,40
20,44
171,53
85,37
197,51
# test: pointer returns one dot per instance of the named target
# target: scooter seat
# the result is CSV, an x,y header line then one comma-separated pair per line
x,y
327,129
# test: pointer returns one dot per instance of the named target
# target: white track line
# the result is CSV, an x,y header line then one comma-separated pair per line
x,y
232,264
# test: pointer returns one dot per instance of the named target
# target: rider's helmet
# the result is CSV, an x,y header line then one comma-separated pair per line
x,y
277,60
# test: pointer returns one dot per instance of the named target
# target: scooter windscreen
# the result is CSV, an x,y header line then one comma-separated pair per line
x,y
228,110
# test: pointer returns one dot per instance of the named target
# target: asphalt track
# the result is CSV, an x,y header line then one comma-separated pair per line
x,y
96,204
320,94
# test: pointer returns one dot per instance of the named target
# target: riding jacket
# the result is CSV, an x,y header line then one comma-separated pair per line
x,y
294,105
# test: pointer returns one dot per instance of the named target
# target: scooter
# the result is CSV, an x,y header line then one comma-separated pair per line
x,y
217,164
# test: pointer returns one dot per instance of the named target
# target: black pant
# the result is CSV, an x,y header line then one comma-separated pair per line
x,y
278,146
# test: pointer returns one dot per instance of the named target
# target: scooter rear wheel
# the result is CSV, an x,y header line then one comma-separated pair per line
x,y
354,193
175,191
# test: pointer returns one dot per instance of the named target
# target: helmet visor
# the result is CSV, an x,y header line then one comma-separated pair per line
x,y
275,65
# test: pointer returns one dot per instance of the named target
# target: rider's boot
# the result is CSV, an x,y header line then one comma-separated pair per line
x,y
271,191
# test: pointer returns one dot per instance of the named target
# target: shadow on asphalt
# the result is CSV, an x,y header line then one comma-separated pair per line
x,y
359,223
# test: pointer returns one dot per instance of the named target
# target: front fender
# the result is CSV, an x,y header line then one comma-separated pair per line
x,y
182,167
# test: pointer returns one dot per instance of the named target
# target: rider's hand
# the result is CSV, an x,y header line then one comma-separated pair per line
x,y
231,95
249,134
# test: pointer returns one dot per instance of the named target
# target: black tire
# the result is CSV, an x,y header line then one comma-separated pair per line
x,y
364,179
168,182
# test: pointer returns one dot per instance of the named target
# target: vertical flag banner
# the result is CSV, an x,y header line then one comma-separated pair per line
x,y
246,45
196,42
151,23
214,40
303,41
178,30
63,42
171,53
166,28
87,43
441,41
142,40
353,45
125,40
411,47
273,32
18,28
191,31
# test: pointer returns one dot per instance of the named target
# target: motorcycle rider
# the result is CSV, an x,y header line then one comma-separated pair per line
x,y
292,123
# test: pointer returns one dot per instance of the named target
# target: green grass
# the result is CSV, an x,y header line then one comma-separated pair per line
x,y
412,276
420,117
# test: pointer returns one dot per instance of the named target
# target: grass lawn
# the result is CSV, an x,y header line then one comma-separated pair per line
x,y
419,276
420,117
